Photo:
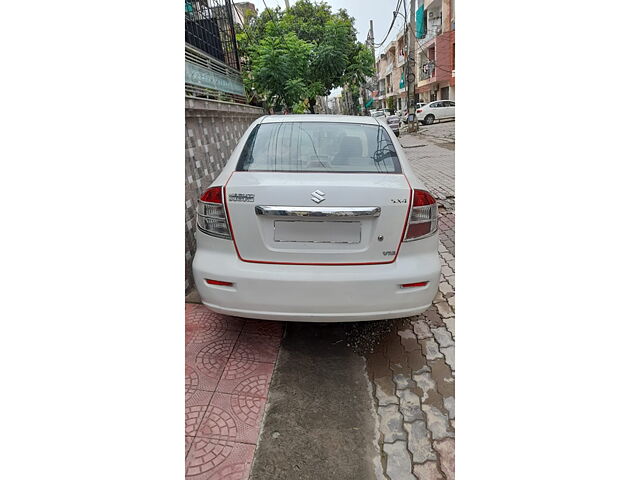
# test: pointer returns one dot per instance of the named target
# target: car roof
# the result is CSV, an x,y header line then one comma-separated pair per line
x,y
319,118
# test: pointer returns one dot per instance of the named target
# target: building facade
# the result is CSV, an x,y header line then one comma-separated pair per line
x,y
435,50
435,58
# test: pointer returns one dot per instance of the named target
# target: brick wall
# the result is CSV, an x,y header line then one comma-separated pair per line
x,y
212,130
444,56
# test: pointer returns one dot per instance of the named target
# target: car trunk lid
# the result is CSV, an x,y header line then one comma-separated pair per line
x,y
317,218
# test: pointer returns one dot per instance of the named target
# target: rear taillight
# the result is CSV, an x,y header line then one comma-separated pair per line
x,y
211,216
424,216
419,110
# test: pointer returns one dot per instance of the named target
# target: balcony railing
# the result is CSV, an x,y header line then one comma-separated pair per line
x,y
427,71
211,30
212,63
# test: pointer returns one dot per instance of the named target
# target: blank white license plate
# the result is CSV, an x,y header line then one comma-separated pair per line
x,y
316,232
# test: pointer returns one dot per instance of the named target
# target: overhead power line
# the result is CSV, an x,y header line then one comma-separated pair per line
x,y
395,14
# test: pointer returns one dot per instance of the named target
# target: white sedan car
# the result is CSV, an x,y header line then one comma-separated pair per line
x,y
381,113
438,110
317,218
405,112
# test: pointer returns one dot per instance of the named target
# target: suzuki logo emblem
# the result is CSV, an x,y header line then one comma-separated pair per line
x,y
318,196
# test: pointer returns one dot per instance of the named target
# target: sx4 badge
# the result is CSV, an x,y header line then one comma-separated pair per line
x,y
241,197
389,253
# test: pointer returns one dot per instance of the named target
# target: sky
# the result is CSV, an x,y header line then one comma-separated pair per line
x,y
380,11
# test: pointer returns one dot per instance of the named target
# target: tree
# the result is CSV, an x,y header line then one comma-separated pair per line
x,y
390,104
326,41
279,66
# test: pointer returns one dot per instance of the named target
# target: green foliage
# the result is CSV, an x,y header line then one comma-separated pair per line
x,y
390,104
307,19
361,66
301,53
299,107
279,66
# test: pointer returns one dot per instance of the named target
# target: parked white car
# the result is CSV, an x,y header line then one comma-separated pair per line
x,y
438,110
317,218
405,112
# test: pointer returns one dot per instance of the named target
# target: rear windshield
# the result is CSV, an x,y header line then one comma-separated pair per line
x,y
319,147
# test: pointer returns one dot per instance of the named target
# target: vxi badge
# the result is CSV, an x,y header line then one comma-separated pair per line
x,y
241,197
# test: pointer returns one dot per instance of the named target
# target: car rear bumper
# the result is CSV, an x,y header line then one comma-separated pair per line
x,y
316,293
317,317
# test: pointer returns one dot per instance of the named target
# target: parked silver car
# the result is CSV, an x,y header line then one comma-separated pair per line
x,y
394,123
392,120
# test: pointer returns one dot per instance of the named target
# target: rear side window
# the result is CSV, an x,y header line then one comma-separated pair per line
x,y
319,147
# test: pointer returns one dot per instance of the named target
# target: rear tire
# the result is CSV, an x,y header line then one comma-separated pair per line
x,y
429,119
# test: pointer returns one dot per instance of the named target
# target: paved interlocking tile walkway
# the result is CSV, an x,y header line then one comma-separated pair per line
x,y
228,368
413,368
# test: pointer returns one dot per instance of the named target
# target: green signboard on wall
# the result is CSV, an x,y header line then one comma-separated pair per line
x,y
203,77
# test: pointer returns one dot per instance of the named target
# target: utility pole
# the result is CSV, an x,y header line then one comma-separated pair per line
x,y
370,42
286,2
410,70
373,48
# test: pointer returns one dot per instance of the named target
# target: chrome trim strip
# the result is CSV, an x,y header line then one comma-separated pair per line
x,y
349,212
